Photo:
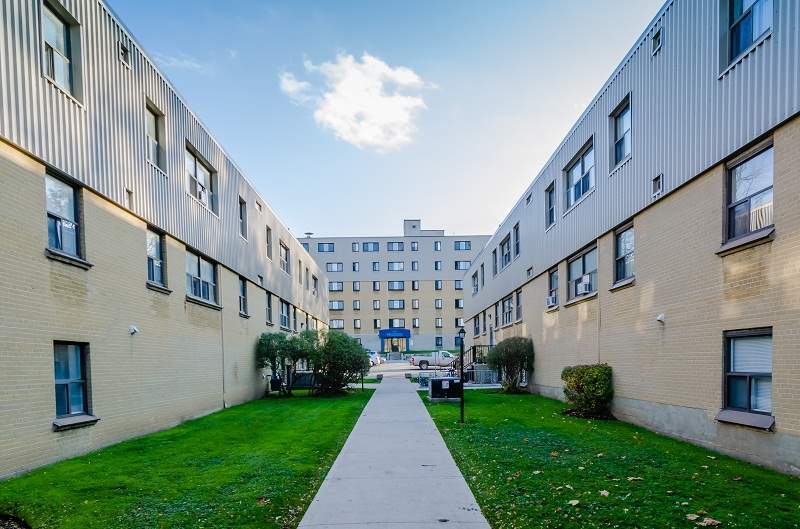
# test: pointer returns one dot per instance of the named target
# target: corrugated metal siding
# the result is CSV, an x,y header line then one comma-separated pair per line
x,y
686,117
100,141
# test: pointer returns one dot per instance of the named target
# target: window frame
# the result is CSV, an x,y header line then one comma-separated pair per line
x,y
572,291
623,107
550,205
59,220
331,286
552,290
243,297
242,218
570,200
731,22
160,259
84,380
730,167
211,203
728,337
199,280
285,258
71,53
619,260
515,243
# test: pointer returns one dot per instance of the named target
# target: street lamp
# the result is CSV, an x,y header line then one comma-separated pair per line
x,y
461,334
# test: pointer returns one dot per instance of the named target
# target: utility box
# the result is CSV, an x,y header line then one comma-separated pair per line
x,y
445,389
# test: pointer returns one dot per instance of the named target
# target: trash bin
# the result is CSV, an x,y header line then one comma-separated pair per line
x,y
445,388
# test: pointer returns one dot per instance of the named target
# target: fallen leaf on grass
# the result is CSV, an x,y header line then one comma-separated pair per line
x,y
604,493
573,502
634,478
553,454
600,454
692,517
708,522
711,457
737,478
537,472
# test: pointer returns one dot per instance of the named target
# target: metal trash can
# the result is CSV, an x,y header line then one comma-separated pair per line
x,y
445,388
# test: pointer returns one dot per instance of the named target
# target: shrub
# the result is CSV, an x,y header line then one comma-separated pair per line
x,y
513,357
589,390
340,360
281,352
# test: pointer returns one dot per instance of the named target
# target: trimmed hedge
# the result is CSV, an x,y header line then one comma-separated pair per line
x,y
589,390
513,357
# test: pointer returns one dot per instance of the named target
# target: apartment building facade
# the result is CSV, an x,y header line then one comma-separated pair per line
x,y
662,236
397,294
140,263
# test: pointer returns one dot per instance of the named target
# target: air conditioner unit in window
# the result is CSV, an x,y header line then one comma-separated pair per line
x,y
552,301
584,287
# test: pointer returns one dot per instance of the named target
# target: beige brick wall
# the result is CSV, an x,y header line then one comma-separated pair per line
x,y
170,371
669,376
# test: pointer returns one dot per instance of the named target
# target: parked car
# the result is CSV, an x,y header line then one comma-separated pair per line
x,y
434,358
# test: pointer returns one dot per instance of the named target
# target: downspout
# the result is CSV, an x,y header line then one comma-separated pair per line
x,y
222,345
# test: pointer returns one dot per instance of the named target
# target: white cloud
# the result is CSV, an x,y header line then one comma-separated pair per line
x,y
181,61
233,54
365,102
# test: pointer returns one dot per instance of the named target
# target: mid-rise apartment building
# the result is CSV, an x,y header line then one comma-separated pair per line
x,y
397,294
662,236
140,265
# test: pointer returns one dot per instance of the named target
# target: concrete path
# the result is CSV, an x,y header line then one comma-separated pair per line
x,y
394,471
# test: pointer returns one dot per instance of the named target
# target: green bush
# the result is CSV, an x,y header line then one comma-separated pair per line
x,y
589,390
282,353
340,360
513,357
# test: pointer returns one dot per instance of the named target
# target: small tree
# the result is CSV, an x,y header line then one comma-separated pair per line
x,y
340,360
281,352
270,350
589,390
512,357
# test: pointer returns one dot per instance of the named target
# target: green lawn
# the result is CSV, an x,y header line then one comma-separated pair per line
x,y
525,462
254,465
370,380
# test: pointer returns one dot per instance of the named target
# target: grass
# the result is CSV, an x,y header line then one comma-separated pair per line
x,y
525,462
371,380
254,465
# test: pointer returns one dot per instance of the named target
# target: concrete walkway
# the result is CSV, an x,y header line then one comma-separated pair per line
x,y
394,471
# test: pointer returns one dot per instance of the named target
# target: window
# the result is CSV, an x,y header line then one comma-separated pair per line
x,y
580,176
508,310
307,281
335,286
304,245
658,185
396,285
242,218
505,252
552,287
476,326
459,322
397,323
459,303
394,246
376,266
356,266
748,20
300,271
70,366
58,60
397,304
324,247
414,266
519,305
438,303
376,304
336,304
284,255
750,195
550,205
242,296
336,324
439,323
655,41
475,283
201,277
155,124
484,321
483,276
370,246
201,181
62,214
515,232
748,370
439,341
260,280
437,284
314,284
356,304
462,245
623,256
284,314
528,198
622,132
395,266
462,265
414,246
357,323
437,246
259,208
376,323
269,308
125,52
415,323
458,284
334,267
494,261
582,272
356,286
269,242
155,259
376,286
294,318
414,303
437,265
415,284
354,247
496,313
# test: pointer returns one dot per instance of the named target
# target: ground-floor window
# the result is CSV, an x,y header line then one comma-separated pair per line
x,y
70,379
748,370
439,341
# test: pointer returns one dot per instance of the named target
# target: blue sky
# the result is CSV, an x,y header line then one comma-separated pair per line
x,y
448,117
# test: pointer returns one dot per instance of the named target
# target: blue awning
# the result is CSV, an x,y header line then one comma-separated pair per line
x,y
394,333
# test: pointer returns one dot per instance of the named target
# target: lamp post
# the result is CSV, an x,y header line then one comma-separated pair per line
x,y
461,334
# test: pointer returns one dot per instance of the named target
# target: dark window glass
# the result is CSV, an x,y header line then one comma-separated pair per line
x,y
750,195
